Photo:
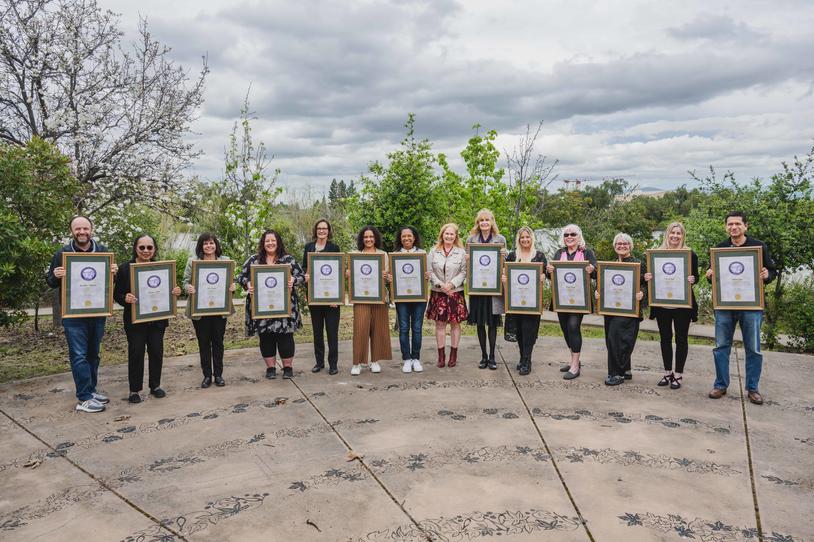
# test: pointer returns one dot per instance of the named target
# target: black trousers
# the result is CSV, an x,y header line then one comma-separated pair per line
x,y
327,317
620,339
149,335
666,319
528,327
210,331
570,325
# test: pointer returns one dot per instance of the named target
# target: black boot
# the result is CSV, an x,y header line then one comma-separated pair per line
x,y
526,368
492,363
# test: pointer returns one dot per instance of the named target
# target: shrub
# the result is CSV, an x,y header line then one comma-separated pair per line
x,y
796,314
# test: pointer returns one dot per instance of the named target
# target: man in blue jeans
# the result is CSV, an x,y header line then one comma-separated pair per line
x,y
749,320
84,335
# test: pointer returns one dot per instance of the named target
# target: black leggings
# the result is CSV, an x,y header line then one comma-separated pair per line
x,y
271,343
570,324
666,319
492,339
528,327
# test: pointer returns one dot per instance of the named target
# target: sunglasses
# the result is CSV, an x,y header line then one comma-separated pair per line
x,y
147,247
569,235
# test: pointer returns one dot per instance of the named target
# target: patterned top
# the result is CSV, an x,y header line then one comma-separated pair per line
x,y
272,325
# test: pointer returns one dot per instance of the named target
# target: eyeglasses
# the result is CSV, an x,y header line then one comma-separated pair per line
x,y
570,234
622,244
322,229
148,247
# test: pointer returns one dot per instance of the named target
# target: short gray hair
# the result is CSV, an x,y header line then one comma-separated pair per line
x,y
623,237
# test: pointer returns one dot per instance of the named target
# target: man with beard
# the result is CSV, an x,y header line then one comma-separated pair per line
x,y
84,335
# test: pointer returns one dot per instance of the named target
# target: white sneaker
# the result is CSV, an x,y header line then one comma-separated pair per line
x,y
375,367
356,370
417,368
408,366
100,398
91,405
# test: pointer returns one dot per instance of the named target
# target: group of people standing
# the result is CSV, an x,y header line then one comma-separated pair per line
x,y
447,306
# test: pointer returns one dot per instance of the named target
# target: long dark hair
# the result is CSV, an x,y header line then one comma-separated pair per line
x,y
155,246
416,236
207,236
261,246
330,228
377,237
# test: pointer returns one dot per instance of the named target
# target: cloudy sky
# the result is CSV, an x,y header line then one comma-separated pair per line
x,y
644,90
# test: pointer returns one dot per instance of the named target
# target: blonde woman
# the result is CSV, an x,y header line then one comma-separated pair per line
x,y
667,317
485,311
527,325
447,263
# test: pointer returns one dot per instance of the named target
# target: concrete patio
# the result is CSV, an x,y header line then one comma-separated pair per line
x,y
447,454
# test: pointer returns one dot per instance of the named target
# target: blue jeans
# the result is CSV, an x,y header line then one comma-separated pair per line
x,y
411,317
84,336
724,330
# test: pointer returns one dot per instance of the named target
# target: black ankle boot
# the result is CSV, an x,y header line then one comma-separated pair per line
x,y
492,363
526,368
484,362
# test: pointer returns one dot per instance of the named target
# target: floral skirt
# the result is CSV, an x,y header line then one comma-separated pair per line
x,y
447,308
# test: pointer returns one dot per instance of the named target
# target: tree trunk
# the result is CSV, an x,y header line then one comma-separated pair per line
x,y
56,308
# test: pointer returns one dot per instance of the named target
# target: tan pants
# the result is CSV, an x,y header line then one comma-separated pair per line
x,y
371,325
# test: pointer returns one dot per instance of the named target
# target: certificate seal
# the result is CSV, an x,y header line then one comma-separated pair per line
x,y
88,273
212,278
618,304
409,290
522,301
736,268
211,303
271,305
483,284
271,282
407,269
737,297
326,294
87,303
570,278
153,281
485,260
366,292
618,279
366,269
669,295
669,268
154,308
571,301
523,279
326,270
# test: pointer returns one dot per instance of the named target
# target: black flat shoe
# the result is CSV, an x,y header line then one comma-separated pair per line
x,y
207,381
484,363
219,381
333,371
565,368
492,363
134,398
614,380
676,383
317,368
288,372
271,373
569,375
628,375
525,369
666,380
158,393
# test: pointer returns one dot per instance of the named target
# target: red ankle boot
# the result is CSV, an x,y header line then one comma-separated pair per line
x,y
453,357
442,358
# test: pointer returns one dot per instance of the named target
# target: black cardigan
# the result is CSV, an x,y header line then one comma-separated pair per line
x,y
330,246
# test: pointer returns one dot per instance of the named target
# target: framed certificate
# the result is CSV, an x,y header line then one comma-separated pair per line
x,y
271,298
484,269
618,284
571,287
152,284
669,286
736,282
212,279
409,269
524,291
327,278
366,277
87,287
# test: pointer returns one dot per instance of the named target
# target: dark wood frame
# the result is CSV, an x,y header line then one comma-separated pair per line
x,y
424,294
381,257
714,257
313,261
652,257
579,267
256,312
489,247
637,270
215,264
537,271
67,257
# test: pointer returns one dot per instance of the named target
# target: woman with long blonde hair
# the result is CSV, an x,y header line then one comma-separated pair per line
x,y
668,318
485,311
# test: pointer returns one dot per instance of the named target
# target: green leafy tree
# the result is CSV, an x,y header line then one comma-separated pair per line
x,y
780,213
36,187
405,191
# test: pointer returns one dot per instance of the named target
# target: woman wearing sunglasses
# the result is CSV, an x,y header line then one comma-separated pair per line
x,y
149,335
573,249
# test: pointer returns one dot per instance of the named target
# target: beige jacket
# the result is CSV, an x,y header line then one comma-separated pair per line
x,y
445,269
